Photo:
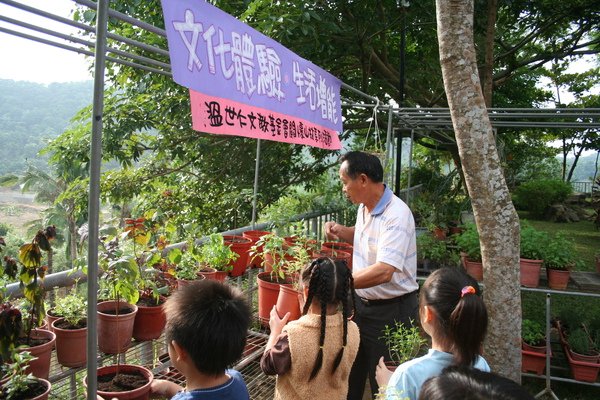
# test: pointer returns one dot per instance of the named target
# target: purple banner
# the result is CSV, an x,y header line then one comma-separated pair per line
x,y
215,54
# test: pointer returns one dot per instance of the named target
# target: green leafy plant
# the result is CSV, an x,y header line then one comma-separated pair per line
x,y
216,254
430,248
404,343
274,246
19,383
71,307
468,241
560,253
31,274
580,342
120,272
187,263
533,242
532,333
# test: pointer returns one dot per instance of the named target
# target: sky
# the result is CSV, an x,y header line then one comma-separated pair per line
x,y
24,59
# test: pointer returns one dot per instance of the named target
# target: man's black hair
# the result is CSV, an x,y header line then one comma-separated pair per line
x,y
359,162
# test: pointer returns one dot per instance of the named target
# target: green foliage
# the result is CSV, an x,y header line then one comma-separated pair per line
x,y
580,342
187,263
119,271
533,333
560,253
468,241
276,247
19,382
71,307
430,248
403,342
536,196
533,242
216,254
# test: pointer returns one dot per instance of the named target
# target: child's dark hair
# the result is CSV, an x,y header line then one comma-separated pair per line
x,y
466,383
455,298
330,282
210,321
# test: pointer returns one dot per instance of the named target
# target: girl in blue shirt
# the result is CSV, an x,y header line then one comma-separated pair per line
x,y
452,312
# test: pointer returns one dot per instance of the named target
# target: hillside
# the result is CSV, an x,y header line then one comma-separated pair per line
x,y
32,113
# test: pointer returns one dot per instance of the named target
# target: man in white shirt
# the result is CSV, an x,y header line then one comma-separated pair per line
x,y
384,262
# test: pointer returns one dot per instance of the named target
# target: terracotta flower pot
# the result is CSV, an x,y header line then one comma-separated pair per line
x,y
335,255
287,301
50,318
115,331
185,282
221,276
268,292
343,246
583,370
474,268
533,358
142,393
44,396
40,368
208,273
239,245
71,345
558,279
530,272
149,322
254,236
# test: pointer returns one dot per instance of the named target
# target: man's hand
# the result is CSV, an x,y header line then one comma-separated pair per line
x,y
332,230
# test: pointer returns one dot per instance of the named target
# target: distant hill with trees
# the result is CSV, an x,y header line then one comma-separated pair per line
x,y
31,113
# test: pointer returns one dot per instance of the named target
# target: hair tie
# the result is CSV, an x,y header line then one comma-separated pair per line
x,y
321,347
467,290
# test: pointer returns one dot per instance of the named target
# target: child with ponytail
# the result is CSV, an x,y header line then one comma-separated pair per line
x,y
312,356
452,312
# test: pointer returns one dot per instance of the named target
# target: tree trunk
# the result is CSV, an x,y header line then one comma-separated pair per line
x,y
495,216
488,67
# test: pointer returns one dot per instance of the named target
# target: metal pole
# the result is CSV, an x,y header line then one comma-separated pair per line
x,y
547,389
94,199
256,173
388,147
398,160
410,159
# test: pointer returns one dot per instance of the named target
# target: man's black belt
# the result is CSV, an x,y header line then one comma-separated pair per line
x,y
381,302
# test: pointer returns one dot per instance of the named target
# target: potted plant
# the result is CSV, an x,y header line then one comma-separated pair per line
x,y
123,382
30,275
21,384
70,329
120,275
277,254
217,256
583,353
187,264
434,253
404,343
254,236
240,246
559,259
289,295
532,247
533,347
468,242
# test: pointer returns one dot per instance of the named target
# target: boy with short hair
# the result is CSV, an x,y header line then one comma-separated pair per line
x,y
207,324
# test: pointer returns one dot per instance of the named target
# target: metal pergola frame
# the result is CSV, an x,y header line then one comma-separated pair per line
x,y
419,121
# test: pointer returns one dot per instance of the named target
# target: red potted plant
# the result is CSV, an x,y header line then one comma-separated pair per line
x,y
21,384
71,329
532,247
533,347
240,246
